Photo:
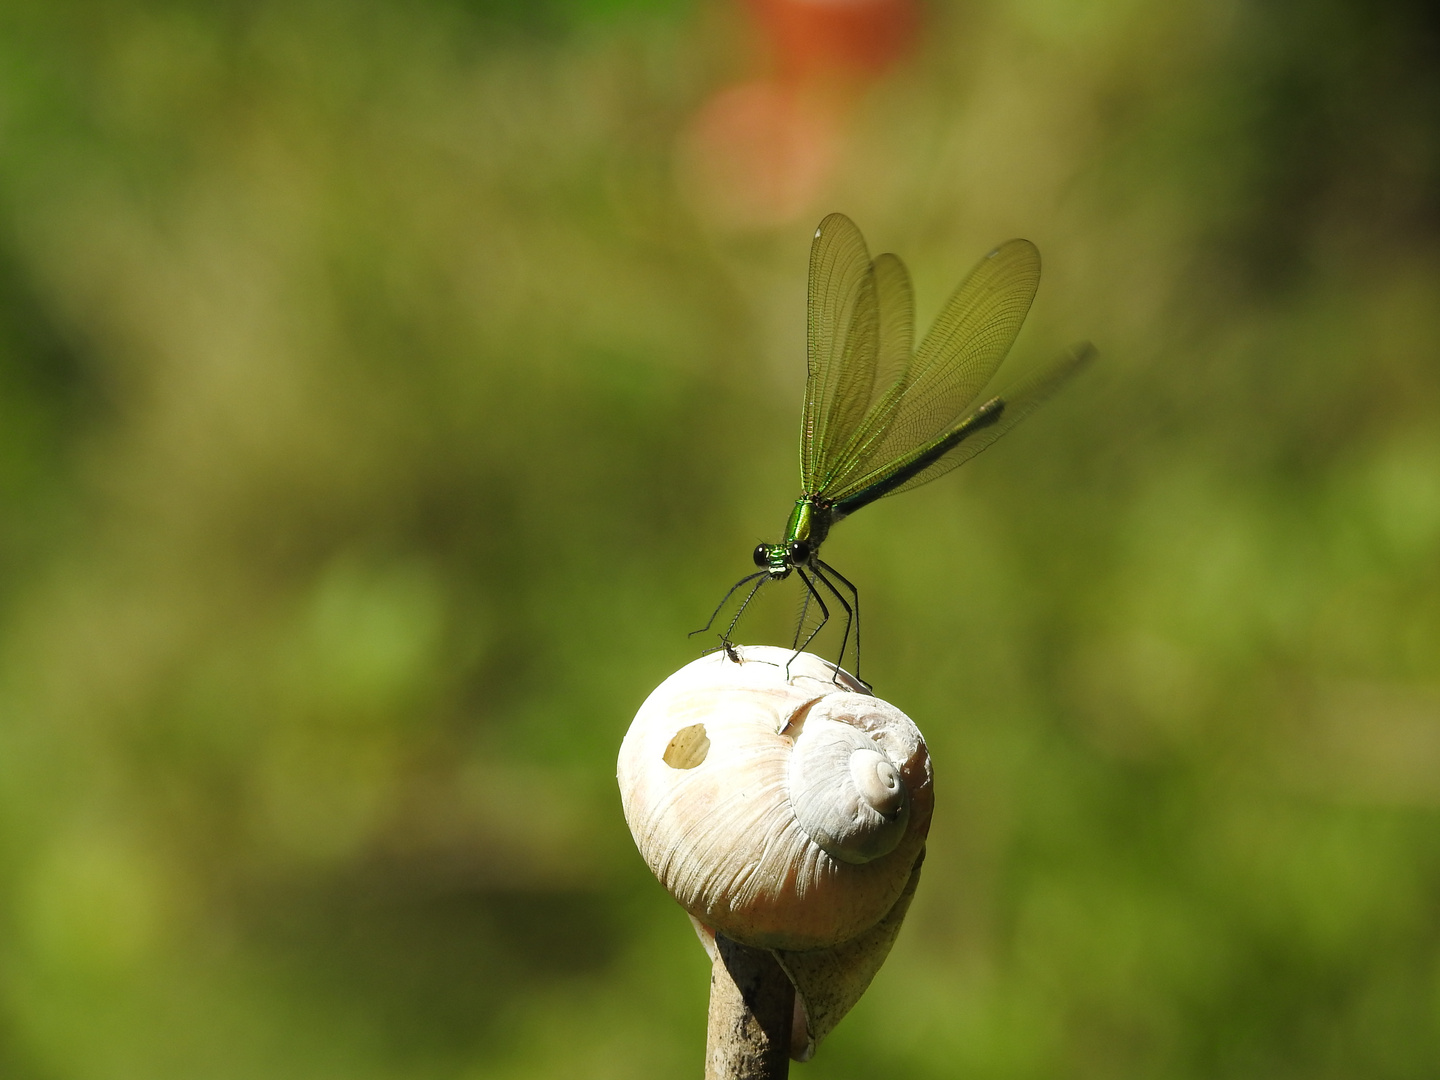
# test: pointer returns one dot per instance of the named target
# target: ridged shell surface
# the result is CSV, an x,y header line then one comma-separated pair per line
x,y
706,773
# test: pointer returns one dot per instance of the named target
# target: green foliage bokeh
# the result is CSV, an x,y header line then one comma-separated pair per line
x,y
377,416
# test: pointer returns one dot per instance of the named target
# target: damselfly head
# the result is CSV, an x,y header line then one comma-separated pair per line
x,y
777,558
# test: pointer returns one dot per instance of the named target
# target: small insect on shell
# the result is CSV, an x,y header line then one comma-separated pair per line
x,y
786,813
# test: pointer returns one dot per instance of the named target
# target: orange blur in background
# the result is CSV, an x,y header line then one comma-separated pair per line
x,y
760,153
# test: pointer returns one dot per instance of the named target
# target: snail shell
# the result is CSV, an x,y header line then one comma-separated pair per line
x,y
786,813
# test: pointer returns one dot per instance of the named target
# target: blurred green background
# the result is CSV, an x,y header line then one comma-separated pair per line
x,y
386,389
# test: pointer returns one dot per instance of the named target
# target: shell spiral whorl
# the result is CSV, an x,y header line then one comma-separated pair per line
x,y
848,796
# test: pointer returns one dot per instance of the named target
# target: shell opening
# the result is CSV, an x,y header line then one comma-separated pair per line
x,y
688,748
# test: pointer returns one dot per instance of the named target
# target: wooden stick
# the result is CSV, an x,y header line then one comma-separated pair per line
x,y
752,1007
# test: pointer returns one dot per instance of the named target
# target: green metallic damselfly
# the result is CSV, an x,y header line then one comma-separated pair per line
x,y
882,416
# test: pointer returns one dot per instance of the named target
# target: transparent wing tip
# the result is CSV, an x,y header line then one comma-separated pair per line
x,y
998,248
